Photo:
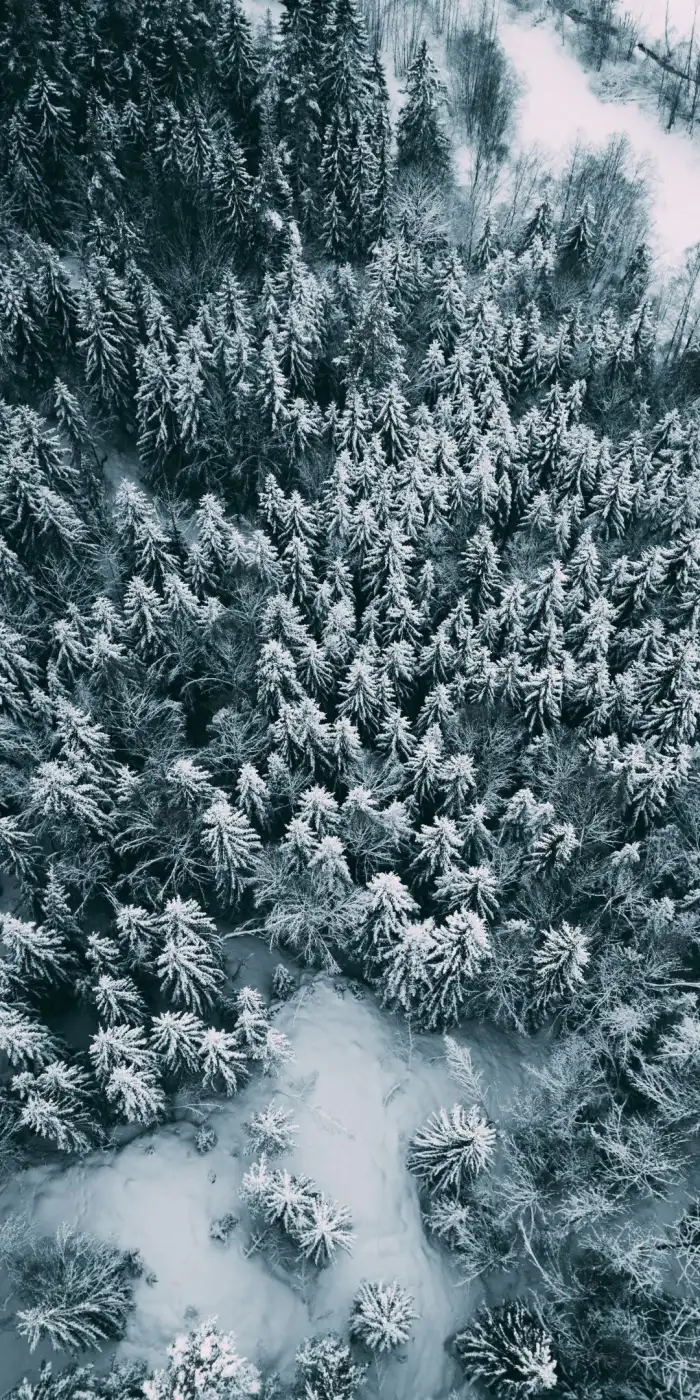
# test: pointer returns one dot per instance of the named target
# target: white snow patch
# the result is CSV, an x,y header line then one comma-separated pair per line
x,y
257,10
654,14
359,1088
394,85
462,159
558,107
123,466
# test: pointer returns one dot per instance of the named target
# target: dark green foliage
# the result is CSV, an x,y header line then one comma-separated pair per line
x,y
72,1288
123,1382
510,1350
421,134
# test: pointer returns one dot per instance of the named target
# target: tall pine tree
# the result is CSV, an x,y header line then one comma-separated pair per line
x,y
422,139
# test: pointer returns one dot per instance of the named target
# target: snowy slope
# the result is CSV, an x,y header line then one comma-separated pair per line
x,y
359,1090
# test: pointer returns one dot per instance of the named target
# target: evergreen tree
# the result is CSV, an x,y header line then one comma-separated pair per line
x,y
271,1131
389,909
379,137
55,1106
487,247
540,225
232,844
232,187
382,1315
459,950
39,956
509,1348
560,962
176,1037
238,72
222,1060
636,276
24,1040
348,170
579,241
326,1370
301,118
451,1149
189,964
421,136
109,334
204,1360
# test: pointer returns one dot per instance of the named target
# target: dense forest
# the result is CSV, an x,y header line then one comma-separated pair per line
x,y
350,589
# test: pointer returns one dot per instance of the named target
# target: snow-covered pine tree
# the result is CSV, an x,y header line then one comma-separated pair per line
x,y
189,963
223,1061
379,138
118,1000
335,188
421,136
452,1149
326,1370
252,1022
579,241
135,1095
204,1362
387,910
158,435
382,1315
406,980
176,1037
108,340
39,955
301,120
232,844
56,1106
510,1350
559,963
487,246
325,1228
271,1131
460,949
76,1291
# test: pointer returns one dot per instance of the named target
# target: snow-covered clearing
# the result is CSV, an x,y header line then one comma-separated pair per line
x,y
653,16
558,107
359,1088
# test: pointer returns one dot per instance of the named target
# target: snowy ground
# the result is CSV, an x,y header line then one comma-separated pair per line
x,y
652,15
359,1089
558,106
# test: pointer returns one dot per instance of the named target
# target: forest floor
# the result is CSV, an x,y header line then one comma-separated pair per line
x,y
359,1087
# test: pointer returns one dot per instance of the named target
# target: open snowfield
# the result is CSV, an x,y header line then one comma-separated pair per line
x,y
359,1090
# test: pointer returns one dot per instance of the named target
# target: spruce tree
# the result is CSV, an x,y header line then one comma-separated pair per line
x,y
422,140
509,1349
379,138
579,241
348,172
382,1315
238,73
300,109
